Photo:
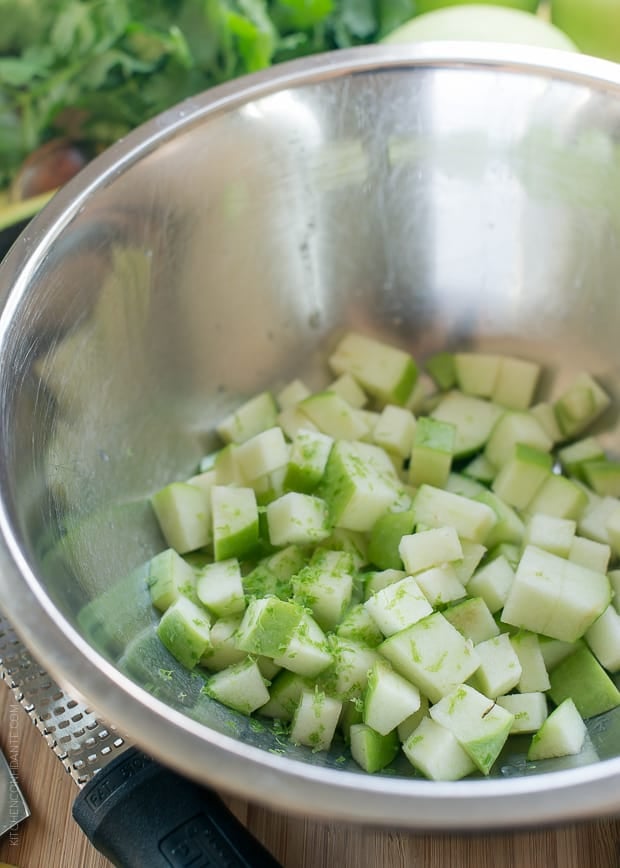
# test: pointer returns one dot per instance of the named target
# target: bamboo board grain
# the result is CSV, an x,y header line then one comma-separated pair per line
x,y
50,838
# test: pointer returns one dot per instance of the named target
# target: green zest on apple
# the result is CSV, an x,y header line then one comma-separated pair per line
x,y
407,560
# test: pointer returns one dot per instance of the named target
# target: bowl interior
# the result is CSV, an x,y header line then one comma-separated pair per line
x,y
435,206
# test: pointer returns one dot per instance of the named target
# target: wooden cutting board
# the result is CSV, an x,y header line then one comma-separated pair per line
x,y
50,838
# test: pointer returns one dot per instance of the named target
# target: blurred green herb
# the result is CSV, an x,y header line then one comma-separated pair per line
x,y
94,69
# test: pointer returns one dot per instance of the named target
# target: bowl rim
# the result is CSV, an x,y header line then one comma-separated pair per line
x,y
177,740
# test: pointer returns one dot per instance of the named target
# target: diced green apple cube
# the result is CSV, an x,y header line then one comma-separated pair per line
x,y
520,478
582,678
534,676
284,695
562,734
480,725
325,586
358,493
433,750
255,415
580,405
554,650
508,528
512,428
169,578
434,508
603,639
528,709
223,651
431,548
389,699
315,720
552,534
590,554
545,414
297,518
481,469
262,454
183,512
432,654
241,687
431,453
184,629
385,537
593,521
371,750
227,470
333,416
378,579
472,555
235,521
292,419
477,373
220,589
516,383
307,461
291,394
499,670
440,585
603,476
473,420
394,430
307,652
574,455
268,625
347,677
383,371
348,388
473,619
398,606
411,723
492,582
204,480
359,625
559,497
352,542
442,369
464,485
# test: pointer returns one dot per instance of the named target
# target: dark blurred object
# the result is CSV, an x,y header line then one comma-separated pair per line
x,y
47,168
10,235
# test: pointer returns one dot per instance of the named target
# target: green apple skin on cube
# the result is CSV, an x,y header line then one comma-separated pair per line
x,y
582,678
389,699
492,582
499,670
357,492
473,420
431,654
398,605
359,626
333,416
580,405
256,415
528,709
268,625
554,651
385,537
603,639
235,521
516,383
555,597
534,676
442,369
298,519
480,725
371,750
315,720
544,413
431,453
284,695
562,734
219,588
431,548
433,750
573,456
169,578
435,508
325,586
473,619
184,629
240,687
591,554
383,371
309,453
480,469
183,512
520,478
512,428
376,580
476,373
352,714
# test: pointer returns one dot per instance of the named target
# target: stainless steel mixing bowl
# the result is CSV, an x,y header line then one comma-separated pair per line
x,y
437,197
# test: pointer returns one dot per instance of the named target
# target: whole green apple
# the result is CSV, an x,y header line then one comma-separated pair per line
x,y
594,25
423,6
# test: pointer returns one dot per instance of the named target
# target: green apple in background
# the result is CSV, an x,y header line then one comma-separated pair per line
x,y
482,23
423,6
594,25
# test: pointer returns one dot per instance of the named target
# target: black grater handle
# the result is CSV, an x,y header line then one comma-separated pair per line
x,y
139,814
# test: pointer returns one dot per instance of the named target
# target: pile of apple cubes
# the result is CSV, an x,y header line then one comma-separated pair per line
x,y
341,575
